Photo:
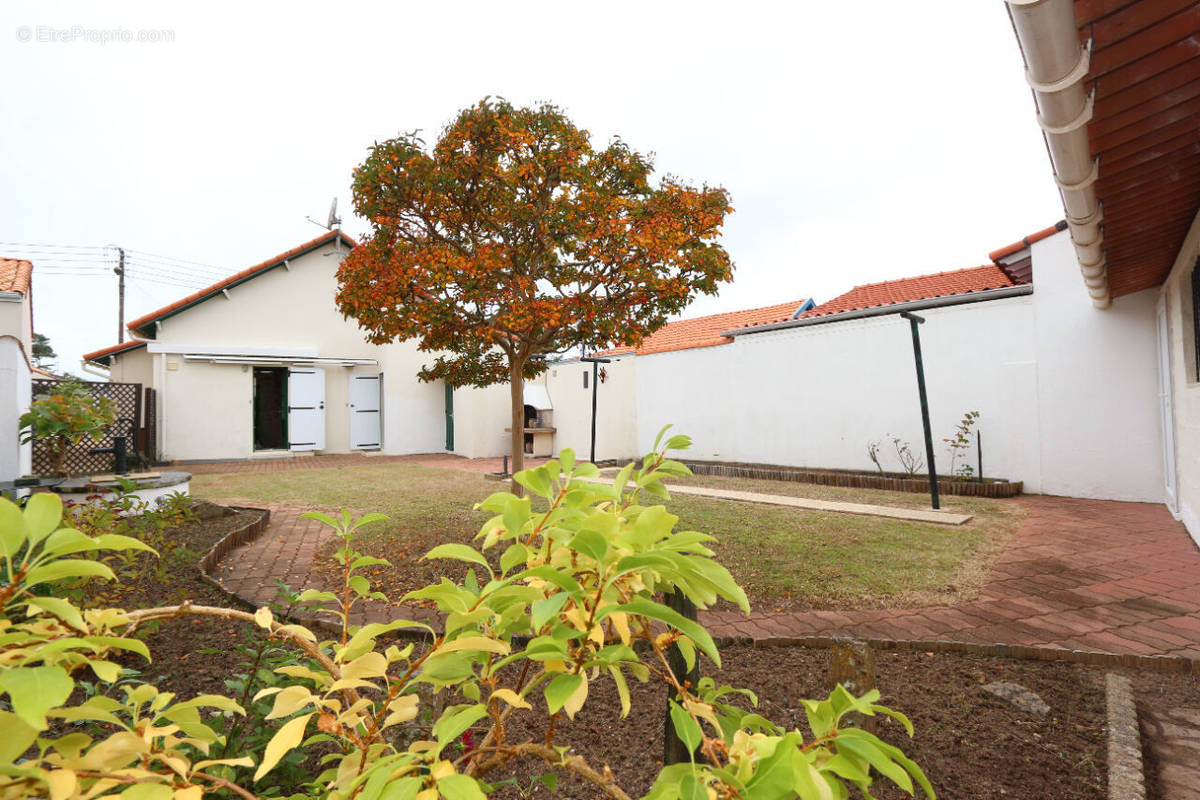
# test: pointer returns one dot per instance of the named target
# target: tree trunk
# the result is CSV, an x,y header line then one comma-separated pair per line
x,y
516,384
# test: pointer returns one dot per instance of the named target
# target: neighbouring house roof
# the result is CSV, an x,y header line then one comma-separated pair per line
x,y
706,331
1018,246
16,275
921,287
104,355
46,375
144,325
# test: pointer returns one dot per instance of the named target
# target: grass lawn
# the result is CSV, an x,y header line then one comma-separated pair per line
x,y
784,557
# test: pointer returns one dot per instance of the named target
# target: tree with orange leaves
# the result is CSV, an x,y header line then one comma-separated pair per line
x,y
512,239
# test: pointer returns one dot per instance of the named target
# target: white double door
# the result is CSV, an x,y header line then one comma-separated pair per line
x,y
306,409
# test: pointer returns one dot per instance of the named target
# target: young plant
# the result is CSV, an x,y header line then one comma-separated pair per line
x,y
873,454
910,462
64,418
959,444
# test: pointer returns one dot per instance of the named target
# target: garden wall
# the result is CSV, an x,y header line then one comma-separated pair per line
x,y
1066,393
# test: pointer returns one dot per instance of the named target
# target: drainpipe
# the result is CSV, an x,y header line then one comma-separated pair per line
x,y
1056,67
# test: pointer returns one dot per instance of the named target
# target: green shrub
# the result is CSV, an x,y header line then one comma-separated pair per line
x,y
64,417
569,596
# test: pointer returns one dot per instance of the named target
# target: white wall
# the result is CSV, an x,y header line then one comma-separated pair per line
x,y
1185,390
816,396
16,346
616,408
15,388
1067,394
1097,385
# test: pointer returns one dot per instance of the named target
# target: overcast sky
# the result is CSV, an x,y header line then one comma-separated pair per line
x,y
860,141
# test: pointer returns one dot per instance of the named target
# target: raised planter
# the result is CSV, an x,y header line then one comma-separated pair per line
x,y
988,487
79,491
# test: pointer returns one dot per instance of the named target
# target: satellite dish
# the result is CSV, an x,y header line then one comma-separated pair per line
x,y
333,221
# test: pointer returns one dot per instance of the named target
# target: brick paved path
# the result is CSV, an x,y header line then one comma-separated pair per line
x,y
1080,574
286,464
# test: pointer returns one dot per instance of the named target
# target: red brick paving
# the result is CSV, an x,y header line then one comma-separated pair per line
x,y
1069,578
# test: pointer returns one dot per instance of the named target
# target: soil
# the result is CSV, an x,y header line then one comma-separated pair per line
x,y
172,577
970,744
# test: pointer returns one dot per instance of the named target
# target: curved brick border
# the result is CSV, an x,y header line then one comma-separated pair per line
x,y
232,540
856,480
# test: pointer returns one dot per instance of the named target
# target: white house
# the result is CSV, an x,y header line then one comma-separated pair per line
x,y
1115,92
16,366
262,364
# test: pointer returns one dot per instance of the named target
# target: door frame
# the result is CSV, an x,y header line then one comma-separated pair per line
x,y
1166,405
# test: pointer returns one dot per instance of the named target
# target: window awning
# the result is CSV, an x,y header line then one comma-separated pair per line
x,y
537,396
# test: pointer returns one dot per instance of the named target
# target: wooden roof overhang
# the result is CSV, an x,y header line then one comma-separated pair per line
x,y
1145,130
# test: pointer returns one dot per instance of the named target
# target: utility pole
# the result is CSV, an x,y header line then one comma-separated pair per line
x,y
120,270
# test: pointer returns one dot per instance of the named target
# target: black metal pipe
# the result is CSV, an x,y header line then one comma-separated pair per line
x,y
979,451
914,321
120,454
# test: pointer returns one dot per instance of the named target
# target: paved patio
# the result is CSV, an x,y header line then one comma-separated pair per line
x,y
1079,574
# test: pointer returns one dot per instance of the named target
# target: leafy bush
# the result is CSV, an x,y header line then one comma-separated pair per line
x,y
555,601
64,417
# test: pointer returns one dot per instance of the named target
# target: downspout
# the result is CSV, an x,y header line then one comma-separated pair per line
x,y
1056,67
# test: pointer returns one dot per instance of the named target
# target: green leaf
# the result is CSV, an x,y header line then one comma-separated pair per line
x,y
690,788
284,741
15,736
453,724
322,518
459,552
369,519
515,554
516,514
33,691
12,528
460,787
43,511
774,775
559,690
867,751
60,608
543,610
403,789
693,630
590,543
622,688
67,568
686,727
148,791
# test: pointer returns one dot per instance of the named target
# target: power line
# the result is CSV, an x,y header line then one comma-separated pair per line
x,y
154,256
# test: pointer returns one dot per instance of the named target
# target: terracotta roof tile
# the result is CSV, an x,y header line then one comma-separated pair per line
x,y
236,277
922,287
1015,247
706,331
15,275
112,350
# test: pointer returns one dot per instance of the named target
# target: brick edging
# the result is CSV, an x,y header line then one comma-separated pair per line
x,y
1126,778
1184,664
235,538
856,480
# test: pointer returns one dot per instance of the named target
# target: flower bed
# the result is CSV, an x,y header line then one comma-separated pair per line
x,y
896,482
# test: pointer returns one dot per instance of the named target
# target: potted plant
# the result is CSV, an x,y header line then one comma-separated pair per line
x,y
63,418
